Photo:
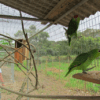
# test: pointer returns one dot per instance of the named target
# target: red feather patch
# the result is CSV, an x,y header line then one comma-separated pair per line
x,y
75,16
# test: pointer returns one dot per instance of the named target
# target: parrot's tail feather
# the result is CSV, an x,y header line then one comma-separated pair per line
x,y
67,73
76,35
69,40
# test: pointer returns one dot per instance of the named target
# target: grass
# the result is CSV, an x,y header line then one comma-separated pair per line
x,y
70,82
17,68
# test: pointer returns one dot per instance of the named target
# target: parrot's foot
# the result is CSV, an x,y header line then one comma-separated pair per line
x,y
84,72
90,68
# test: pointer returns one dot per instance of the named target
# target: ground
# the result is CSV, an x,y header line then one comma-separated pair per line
x,y
50,86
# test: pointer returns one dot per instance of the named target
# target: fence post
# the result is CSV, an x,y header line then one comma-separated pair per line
x,y
46,65
59,66
27,80
12,71
52,61
85,86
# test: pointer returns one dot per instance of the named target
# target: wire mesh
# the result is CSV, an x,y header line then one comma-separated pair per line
x,y
7,69
53,55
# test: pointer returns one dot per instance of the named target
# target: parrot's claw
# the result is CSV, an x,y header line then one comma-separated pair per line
x,y
90,68
84,72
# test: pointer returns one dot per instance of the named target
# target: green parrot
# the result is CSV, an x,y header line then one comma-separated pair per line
x,y
83,60
72,28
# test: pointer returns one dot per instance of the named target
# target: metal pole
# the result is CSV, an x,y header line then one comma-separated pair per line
x,y
27,80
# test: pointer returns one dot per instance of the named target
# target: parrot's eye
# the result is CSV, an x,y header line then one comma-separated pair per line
x,y
99,50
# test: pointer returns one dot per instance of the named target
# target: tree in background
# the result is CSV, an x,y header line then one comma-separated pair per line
x,y
90,39
31,31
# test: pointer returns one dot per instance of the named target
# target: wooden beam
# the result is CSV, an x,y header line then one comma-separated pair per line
x,y
22,8
94,5
37,4
59,3
92,76
25,7
43,3
91,6
22,2
85,10
72,9
24,18
80,14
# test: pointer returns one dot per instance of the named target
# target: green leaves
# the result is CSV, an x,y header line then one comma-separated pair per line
x,y
3,42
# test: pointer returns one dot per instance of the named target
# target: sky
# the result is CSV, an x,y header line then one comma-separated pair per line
x,y
56,32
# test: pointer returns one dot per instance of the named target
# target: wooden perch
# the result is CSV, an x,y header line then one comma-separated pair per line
x,y
92,76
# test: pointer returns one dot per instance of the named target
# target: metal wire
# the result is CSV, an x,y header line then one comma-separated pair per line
x,y
56,34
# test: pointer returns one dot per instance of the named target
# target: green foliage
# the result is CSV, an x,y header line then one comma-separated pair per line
x,y
49,73
17,68
63,66
70,82
25,63
90,39
3,42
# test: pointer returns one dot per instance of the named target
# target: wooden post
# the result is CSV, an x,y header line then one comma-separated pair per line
x,y
46,65
52,61
27,80
59,66
85,86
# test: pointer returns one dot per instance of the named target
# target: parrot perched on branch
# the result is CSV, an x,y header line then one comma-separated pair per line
x,y
83,60
72,28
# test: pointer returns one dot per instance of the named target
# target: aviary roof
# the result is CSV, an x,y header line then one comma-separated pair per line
x,y
60,11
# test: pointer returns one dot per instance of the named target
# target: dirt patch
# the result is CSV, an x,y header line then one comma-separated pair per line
x,y
6,73
50,86
54,70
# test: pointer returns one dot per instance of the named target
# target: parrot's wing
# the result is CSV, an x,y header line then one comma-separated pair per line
x,y
80,59
72,27
69,40
76,34
78,20
66,32
71,22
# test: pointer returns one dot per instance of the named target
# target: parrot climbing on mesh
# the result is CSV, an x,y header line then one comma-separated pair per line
x,y
72,28
83,60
